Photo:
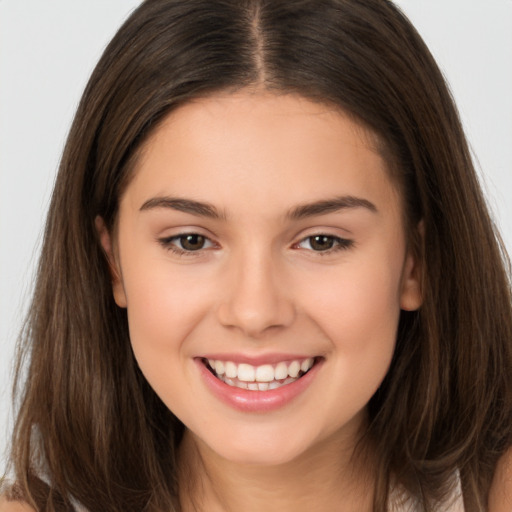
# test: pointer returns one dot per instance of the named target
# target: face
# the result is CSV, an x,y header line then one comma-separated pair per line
x,y
261,256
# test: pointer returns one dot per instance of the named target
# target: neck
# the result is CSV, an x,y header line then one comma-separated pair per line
x,y
331,476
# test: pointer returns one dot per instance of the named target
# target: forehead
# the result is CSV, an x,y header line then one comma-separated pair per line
x,y
290,114
262,147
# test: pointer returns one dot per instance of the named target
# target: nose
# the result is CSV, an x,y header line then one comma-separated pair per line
x,y
256,298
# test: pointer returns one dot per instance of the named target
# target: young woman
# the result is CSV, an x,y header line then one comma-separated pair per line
x,y
269,279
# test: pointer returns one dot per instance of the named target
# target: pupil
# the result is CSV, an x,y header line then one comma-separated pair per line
x,y
192,242
321,242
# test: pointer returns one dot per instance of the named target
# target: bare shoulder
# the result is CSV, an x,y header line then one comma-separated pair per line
x,y
14,506
500,495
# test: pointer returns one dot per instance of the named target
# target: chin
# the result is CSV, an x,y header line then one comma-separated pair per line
x,y
261,450
267,458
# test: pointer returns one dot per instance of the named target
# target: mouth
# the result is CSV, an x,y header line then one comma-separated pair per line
x,y
264,377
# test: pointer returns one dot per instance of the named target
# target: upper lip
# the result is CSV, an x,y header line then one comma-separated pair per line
x,y
257,360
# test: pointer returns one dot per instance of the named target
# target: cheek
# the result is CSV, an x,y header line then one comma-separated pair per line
x,y
163,307
359,315
360,304
358,309
163,310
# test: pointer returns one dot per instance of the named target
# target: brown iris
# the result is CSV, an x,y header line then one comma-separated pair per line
x,y
192,242
321,242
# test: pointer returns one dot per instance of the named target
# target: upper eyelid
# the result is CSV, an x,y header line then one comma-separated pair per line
x,y
184,231
323,232
328,235
337,238
170,238
335,230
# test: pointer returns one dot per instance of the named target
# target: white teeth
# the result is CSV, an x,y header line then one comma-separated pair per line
x,y
265,373
219,367
260,378
281,371
294,369
307,364
231,370
246,372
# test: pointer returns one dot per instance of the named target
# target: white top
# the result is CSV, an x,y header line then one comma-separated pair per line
x,y
402,502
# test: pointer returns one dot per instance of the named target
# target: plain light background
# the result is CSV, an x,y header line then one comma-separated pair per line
x,y
48,49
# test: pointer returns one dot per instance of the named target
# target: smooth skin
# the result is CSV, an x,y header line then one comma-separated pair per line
x,y
13,506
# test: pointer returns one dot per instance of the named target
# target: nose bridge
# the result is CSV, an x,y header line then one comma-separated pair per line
x,y
255,298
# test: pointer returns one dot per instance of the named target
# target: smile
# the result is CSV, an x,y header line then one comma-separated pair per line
x,y
259,378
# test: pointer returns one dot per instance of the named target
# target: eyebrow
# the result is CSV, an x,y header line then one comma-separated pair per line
x,y
183,205
302,211
330,206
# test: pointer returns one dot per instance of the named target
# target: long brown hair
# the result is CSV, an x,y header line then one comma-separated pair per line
x,y
90,426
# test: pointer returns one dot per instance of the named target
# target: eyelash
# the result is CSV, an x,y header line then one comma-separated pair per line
x,y
339,244
169,243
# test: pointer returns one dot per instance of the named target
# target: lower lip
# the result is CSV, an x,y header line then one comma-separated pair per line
x,y
257,401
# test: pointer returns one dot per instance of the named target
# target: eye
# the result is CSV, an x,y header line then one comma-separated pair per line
x,y
186,243
192,242
324,243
